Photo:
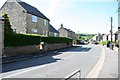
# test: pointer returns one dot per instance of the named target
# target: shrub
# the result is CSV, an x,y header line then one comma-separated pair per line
x,y
104,42
7,25
23,40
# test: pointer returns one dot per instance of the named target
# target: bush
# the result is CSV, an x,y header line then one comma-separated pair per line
x,y
104,42
23,40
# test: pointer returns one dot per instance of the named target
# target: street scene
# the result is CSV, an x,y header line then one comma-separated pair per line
x,y
65,40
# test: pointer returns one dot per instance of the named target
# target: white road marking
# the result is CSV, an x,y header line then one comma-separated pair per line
x,y
25,71
96,69
37,67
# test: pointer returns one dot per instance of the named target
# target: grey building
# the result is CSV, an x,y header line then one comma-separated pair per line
x,y
53,31
25,18
64,32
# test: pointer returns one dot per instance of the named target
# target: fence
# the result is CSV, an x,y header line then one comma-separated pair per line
x,y
74,73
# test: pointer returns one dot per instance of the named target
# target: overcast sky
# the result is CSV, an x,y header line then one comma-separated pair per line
x,y
85,16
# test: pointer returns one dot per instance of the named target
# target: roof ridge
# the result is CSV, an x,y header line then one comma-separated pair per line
x,y
33,10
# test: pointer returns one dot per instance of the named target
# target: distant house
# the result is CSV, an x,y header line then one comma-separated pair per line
x,y
116,34
53,31
64,32
109,37
98,37
25,18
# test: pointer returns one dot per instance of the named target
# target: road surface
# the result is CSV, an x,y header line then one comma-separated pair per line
x,y
82,57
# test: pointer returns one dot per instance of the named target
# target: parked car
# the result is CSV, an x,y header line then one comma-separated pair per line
x,y
81,42
94,42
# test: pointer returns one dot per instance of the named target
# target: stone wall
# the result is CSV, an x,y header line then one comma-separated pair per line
x,y
13,51
1,38
119,43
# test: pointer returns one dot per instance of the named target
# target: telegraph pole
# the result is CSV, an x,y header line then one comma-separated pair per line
x,y
111,29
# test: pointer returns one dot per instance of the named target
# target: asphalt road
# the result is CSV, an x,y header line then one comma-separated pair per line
x,y
55,66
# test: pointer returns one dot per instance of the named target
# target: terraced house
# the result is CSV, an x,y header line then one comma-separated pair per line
x,y
25,18
64,32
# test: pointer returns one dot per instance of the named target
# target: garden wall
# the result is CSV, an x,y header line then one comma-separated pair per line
x,y
21,50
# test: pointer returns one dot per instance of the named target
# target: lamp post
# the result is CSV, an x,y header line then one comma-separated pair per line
x,y
1,36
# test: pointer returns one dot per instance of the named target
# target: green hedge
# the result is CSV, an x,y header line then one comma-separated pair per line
x,y
103,42
22,40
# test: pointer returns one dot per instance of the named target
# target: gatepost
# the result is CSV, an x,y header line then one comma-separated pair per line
x,y
1,36
119,40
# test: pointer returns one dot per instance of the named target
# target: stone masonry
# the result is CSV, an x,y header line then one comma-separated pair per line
x,y
1,38
17,16
21,50
21,20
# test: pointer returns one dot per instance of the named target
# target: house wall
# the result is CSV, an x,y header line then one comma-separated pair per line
x,y
39,25
63,33
17,16
1,38
104,37
113,37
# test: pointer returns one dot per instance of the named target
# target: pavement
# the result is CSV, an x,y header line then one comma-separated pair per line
x,y
110,65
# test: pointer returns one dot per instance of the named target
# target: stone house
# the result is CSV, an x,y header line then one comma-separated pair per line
x,y
64,32
25,18
53,31
98,37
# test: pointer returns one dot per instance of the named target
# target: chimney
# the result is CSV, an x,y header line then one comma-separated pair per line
x,y
118,28
61,25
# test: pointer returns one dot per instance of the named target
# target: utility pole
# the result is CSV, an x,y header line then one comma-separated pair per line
x,y
111,29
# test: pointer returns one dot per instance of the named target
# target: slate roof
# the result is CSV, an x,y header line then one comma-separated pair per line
x,y
52,29
32,10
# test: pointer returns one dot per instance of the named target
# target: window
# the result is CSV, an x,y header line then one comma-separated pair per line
x,y
45,22
34,18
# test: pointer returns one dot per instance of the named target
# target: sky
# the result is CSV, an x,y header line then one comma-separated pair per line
x,y
83,16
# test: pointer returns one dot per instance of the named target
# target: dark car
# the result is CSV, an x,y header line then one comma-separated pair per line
x,y
94,42
81,42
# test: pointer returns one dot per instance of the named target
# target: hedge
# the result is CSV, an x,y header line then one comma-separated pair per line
x,y
23,40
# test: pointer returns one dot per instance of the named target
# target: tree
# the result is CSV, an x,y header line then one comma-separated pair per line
x,y
7,25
